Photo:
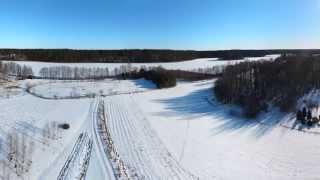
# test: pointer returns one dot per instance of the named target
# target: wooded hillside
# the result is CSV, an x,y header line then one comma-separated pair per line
x,y
255,85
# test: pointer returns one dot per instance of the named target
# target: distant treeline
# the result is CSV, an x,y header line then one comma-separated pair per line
x,y
256,85
72,73
132,55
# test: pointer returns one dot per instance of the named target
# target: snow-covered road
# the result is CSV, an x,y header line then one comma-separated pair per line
x,y
107,171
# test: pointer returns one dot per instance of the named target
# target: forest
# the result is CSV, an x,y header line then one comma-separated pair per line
x,y
256,86
135,55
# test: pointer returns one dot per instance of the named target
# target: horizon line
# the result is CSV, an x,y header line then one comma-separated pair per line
x,y
157,49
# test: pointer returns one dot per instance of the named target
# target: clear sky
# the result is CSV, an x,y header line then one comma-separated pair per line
x,y
170,24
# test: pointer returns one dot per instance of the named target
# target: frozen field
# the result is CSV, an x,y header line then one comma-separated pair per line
x,y
212,144
191,65
177,133
75,89
34,119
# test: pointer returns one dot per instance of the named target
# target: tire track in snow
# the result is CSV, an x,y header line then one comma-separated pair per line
x,y
77,162
138,143
148,131
115,164
118,127
166,156
185,141
100,144
122,126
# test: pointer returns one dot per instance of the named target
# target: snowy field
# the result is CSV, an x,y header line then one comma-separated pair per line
x,y
191,65
176,133
204,140
34,119
74,89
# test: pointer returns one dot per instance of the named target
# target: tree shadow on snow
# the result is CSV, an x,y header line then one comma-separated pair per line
x,y
145,84
225,118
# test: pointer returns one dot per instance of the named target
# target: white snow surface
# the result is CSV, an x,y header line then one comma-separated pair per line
x,y
209,142
28,115
107,87
139,146
176,133
190,65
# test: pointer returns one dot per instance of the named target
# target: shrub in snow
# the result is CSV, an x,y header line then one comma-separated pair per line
x,y
64,126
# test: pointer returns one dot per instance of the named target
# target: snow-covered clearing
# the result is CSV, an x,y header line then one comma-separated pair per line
x,y
138,145
209,142
191,65
176,133
36,120
75,89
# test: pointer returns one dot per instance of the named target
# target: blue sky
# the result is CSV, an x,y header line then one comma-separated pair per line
x,y
170,24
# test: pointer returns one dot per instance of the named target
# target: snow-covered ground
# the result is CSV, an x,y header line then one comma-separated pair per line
x,y
9,89
73,89
176,133
35,119
138,145
207,141
191,65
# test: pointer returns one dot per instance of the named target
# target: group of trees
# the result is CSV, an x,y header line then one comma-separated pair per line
x,y
80,73
214,70
14,69
192,76
65,72
134,55
18,150
255,85
160,77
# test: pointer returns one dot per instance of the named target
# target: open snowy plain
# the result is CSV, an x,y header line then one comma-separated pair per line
x,y
128,129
